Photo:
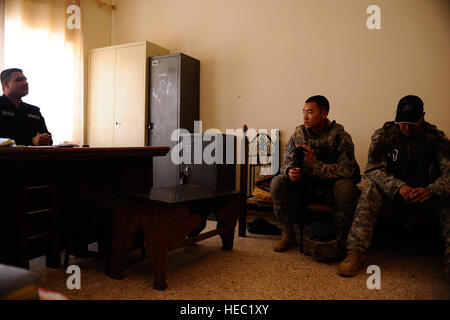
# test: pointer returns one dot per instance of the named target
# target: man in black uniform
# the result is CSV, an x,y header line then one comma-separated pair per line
x,y
20,121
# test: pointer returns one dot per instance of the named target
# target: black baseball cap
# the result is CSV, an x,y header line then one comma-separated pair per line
x,y
409,110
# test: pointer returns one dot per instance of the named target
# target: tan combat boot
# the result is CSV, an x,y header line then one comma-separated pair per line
x,y
287,240
352,264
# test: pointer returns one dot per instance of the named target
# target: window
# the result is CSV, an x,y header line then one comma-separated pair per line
x,y
2,20
37,41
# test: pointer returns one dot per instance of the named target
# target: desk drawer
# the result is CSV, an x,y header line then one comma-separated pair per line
x,y
36,175
38,198
38,222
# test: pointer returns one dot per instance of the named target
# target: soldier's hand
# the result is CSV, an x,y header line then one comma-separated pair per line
x,y
42,139
309,155
405,192
420,195
294,174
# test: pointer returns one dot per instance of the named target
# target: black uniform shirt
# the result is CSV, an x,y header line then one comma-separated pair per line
x,y
20,124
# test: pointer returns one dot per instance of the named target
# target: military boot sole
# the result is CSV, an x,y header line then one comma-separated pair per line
x,y
349,274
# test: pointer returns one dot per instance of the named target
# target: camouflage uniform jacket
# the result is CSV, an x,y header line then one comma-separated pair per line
x,y
419,161
334,156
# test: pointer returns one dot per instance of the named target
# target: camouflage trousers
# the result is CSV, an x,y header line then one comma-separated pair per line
x,y
373,200
290,200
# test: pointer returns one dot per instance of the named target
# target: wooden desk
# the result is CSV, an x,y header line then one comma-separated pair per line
x,y
41,187
171,218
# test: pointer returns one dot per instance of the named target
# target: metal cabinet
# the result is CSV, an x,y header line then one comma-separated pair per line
x,y
221,173
174,104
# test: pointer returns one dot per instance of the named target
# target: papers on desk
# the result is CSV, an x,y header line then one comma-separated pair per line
x,y
62,145
6,142
66,145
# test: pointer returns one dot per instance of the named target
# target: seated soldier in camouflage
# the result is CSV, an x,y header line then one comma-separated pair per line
x,y
408,170
319,164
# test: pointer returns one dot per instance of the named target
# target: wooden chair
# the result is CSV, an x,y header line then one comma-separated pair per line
x,y
258,154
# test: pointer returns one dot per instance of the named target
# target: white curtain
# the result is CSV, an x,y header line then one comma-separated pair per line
x,y
44,39
2,21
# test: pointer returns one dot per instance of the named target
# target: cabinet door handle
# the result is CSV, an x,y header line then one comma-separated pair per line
x,y
118,123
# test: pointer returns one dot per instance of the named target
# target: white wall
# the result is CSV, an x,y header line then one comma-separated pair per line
x,y
260,59
96,34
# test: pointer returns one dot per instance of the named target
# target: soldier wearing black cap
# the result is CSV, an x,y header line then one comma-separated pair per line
x,y
20,121
408,170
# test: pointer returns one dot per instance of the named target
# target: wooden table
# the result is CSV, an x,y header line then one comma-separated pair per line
x,y
172,218
47,193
